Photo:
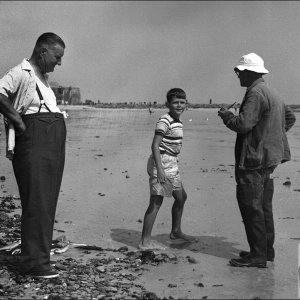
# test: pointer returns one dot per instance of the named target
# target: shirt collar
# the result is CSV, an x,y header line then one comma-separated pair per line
x,y
25,65
255,83
177,120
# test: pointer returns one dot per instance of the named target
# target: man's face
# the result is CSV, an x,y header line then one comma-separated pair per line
x,y
245,77
52,56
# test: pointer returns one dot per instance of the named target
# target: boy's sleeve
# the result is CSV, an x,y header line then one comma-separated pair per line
x,y
162,126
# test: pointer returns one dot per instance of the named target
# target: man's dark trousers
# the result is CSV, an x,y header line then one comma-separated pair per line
x,y
38,165
254,193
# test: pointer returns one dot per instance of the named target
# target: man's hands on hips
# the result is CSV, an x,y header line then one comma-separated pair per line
x,y
20,127
8,111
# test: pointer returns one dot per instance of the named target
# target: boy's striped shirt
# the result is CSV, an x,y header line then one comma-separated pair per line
x,y
172,130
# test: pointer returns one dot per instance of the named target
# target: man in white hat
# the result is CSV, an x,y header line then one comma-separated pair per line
x,y
261,145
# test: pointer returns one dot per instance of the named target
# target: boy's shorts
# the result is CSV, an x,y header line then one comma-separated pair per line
x,y
170,166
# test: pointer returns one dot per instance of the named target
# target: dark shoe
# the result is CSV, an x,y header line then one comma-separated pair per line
x,y
247,262
243,254
44,274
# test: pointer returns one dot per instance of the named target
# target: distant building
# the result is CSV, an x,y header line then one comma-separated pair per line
x,y
66,95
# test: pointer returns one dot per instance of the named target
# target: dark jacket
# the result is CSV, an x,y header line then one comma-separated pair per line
x,y
261,128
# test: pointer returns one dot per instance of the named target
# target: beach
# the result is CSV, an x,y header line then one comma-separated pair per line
x,y
105,193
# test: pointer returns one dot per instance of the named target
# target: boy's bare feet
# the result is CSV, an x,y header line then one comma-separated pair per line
x,y
182,236
151,245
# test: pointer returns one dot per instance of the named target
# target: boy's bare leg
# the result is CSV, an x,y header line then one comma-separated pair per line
x,y
149,219
177,210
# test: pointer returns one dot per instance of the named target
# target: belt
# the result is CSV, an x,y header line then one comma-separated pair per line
x,y
43,115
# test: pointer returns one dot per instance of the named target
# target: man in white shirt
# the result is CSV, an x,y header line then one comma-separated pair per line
x,y
29,107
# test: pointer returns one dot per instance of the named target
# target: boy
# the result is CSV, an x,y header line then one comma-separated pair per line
x,y
163,170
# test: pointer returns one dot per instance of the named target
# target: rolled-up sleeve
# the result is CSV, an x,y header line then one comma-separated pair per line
x,y
9,84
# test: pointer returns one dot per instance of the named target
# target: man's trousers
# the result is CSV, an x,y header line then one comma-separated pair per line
x,y
38,164
254,194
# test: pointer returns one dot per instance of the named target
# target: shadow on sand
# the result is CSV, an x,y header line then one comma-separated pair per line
x,y
211,245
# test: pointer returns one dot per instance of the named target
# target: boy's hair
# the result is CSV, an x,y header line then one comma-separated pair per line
x,y
175,93
48,38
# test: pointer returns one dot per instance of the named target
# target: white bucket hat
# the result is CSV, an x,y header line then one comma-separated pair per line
x,y
252,62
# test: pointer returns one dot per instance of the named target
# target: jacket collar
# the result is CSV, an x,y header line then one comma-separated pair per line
x,y
255,83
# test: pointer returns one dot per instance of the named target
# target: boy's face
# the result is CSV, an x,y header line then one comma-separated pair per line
x,y
176,107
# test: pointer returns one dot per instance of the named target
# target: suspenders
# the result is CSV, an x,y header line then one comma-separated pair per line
x,y
42,101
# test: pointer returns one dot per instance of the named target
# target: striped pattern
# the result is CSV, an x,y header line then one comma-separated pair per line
x,y
172,130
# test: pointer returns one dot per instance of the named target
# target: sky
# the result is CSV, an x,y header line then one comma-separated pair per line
x,y
135,51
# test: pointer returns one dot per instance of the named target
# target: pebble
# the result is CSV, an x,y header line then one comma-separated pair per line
x,y
200,284
60,266
100,269
111,289
172,256
191,260
123,249
217,284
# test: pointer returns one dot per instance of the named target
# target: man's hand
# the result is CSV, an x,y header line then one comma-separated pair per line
x,y
8,111
161,177
20,127
225,114
223,111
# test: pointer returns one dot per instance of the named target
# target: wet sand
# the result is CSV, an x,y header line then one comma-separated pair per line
x,y
105,193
